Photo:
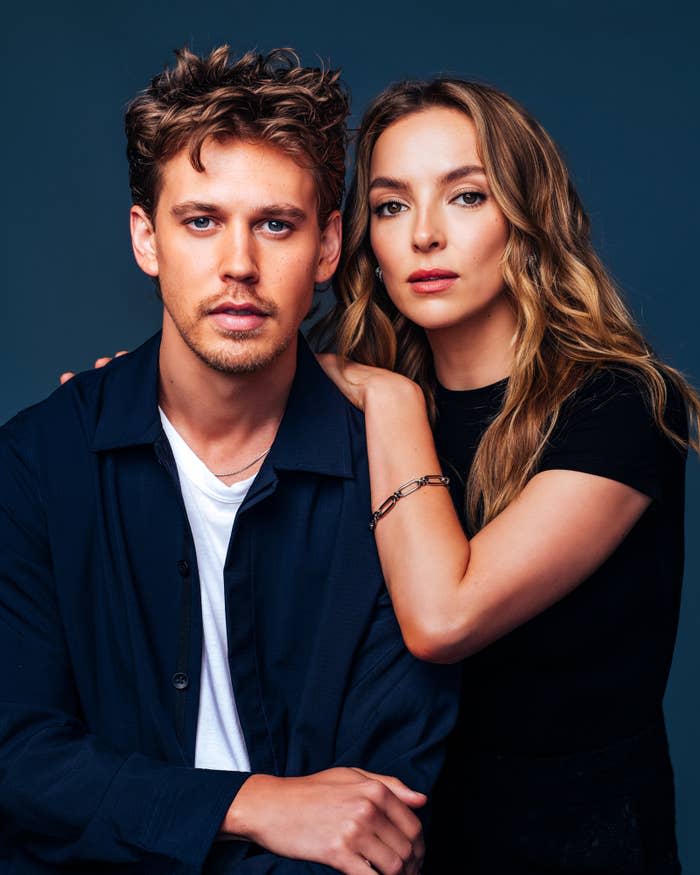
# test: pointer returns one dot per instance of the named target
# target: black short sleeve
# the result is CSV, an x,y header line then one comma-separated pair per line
x,y
592,668
607,428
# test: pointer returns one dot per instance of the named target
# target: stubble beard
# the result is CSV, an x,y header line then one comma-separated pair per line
x,y
243,360
237,351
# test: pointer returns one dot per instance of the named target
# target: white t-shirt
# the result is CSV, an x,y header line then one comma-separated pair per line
x,y
211,509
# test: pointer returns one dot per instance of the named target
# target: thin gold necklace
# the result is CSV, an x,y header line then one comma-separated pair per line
x,y
245,467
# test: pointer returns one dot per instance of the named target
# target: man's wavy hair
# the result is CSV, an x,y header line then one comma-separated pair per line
x,y
269,98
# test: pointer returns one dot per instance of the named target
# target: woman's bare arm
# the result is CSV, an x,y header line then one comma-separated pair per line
x,y
453,596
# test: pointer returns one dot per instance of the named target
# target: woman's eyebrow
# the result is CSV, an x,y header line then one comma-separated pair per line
x,y
452,176
388,182
461,172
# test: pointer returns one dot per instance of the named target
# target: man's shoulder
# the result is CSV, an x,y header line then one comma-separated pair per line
x,y
321,431
351,429
356,421
26,441
54,414
69,414
61,410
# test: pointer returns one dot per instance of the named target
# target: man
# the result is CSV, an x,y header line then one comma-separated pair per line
x,y
196,639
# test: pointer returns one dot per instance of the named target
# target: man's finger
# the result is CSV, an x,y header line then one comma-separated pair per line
x,y
410,852
101,362
397,825
407,823
65,376
380,856
409,797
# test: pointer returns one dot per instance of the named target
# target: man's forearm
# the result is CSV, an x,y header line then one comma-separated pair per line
x,y
73,799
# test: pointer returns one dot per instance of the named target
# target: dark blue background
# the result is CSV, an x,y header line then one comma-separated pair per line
x,y
616,84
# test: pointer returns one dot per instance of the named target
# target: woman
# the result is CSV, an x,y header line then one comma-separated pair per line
x,y
468,270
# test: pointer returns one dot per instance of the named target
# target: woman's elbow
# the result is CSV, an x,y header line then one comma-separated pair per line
x,y
440,641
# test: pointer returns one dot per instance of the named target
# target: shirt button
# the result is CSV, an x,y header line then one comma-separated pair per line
x,y
180,680
183,566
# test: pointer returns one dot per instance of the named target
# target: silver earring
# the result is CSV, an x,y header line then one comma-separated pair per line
x,y
532,261
379,274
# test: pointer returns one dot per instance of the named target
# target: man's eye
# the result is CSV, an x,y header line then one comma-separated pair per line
x,y
276,226
201,223
470,198
390,208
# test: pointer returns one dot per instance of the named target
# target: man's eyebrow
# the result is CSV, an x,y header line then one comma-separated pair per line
x,y
186,207
453,175
282,211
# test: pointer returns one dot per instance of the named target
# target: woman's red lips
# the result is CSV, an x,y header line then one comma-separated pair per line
x,y
436,274
432,282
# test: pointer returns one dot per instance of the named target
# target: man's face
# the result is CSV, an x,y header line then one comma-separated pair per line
x,y
236,249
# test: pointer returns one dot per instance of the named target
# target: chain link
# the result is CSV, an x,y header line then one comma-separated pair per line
x,y
405,489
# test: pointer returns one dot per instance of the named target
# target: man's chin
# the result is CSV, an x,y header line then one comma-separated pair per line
x,y
246,359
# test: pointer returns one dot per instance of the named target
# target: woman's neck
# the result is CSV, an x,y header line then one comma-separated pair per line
x,y
478,351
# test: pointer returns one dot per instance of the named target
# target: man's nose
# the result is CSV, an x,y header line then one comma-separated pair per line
x,y
238,258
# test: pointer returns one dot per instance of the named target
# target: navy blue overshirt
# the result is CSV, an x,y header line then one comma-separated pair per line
x,y
101,631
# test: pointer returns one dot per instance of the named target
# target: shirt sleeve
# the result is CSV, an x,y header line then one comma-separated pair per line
x,y
226,860
65,796
396,717
398,711
607,428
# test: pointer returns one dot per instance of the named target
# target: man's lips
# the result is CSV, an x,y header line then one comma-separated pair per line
x,y
242,307
238,316
427,282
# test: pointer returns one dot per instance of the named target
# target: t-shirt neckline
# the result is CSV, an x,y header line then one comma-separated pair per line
x,y
196,471
476,394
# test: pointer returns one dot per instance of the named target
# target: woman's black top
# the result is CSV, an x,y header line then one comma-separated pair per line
x,y
560,762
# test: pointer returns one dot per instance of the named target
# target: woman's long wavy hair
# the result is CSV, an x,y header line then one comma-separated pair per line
x,y
570,318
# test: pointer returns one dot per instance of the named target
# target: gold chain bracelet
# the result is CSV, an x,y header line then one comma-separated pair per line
x,y
405,489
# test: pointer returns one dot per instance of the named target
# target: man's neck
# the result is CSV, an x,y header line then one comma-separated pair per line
x,y
227,419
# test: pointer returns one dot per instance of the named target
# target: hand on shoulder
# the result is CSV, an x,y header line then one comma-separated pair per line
x,y
99,363
360,383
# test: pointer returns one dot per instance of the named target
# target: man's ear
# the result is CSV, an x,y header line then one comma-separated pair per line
x,y
331,241
143,240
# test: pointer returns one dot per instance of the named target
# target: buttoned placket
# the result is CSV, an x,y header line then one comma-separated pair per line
x,y
241,629
240,623
186,567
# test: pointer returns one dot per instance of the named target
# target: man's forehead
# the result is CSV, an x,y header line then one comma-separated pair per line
x,y
247,170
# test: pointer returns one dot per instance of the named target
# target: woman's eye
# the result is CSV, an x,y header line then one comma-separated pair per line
x,y
201,223
390,208
470,198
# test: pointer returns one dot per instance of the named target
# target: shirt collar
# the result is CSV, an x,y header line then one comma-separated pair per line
x,y
314,435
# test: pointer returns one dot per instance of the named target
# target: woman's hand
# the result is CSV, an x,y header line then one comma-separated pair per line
x,y
99,363
344,818
358,382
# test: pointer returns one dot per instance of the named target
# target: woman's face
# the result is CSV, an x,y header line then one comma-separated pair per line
x,y
435,228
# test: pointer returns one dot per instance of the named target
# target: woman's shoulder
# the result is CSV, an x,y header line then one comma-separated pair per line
x,y
622,396
608,427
